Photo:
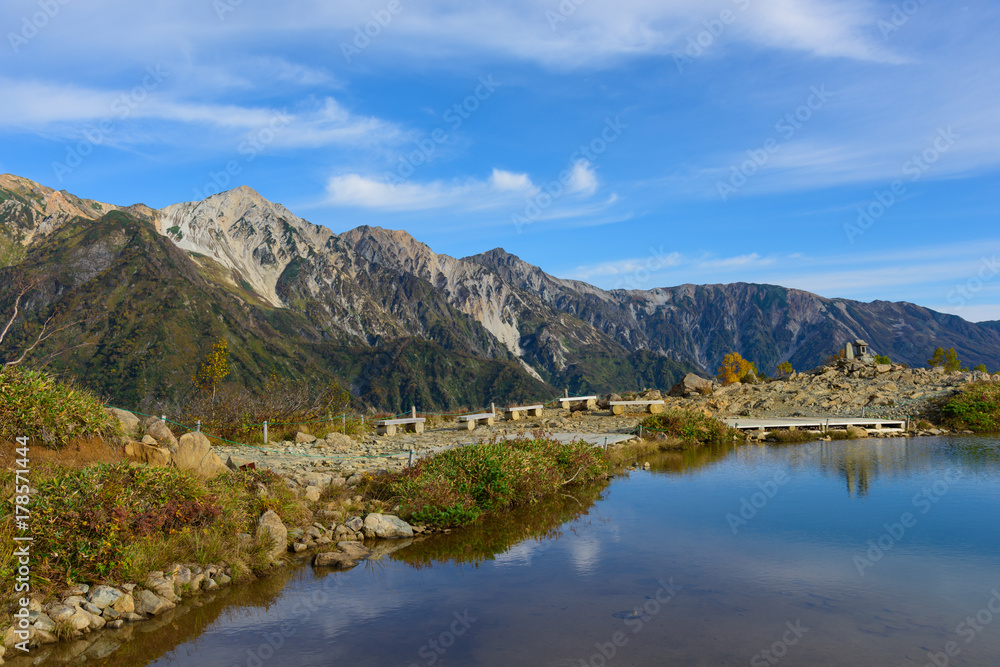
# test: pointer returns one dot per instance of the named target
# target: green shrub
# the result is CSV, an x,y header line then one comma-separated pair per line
x,y
690,426
460,485
117,522
882,359
976,408
43,408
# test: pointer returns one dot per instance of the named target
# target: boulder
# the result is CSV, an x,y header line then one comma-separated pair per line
x,y
129,422
312,494
153,455
157,582
651,395
691,385
124,605
270,524
304,438
386,526
856,432
157,429
194,453
104,596
150,603
354,550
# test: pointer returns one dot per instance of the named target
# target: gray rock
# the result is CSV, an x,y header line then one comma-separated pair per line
x,y
103,596
162,586
354,550
354,523
691,385
312,494
129,422
91,608
306,438
150,603
60,612
386,526
44,622
270,524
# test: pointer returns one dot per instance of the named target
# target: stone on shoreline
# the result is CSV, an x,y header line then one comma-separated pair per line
x,y
149,603
270,524
386,526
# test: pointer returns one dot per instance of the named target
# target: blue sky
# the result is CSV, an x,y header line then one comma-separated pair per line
x,y
849,148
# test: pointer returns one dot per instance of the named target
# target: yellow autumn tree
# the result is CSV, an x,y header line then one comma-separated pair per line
x,y
215,367
733,368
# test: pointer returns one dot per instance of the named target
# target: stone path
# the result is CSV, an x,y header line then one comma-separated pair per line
x,y
345,456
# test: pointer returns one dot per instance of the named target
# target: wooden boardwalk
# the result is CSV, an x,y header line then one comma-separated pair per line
x,y
815,423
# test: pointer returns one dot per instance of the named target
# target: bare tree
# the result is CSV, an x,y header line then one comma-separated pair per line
x,y
24,285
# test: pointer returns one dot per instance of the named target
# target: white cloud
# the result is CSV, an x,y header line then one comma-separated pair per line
x,y
66,111
502,188
582,178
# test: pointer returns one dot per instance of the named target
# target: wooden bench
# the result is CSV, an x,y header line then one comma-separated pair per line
x,y
388,426
618,407
514,414
569,400
482,419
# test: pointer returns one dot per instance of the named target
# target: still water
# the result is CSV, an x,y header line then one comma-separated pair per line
x,y
872,552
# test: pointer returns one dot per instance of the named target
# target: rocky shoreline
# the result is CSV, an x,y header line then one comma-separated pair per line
x,y
95,620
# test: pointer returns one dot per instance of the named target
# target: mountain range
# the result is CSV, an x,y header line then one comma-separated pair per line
x,y
150,290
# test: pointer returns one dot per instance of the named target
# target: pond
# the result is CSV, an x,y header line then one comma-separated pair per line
x,y
867,552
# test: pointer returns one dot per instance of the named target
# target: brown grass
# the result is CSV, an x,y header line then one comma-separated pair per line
x,y
78,453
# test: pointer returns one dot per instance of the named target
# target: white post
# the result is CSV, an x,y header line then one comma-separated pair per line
x,y
164,418
197,427
343,424
410,464
493,407
265,433
413,411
